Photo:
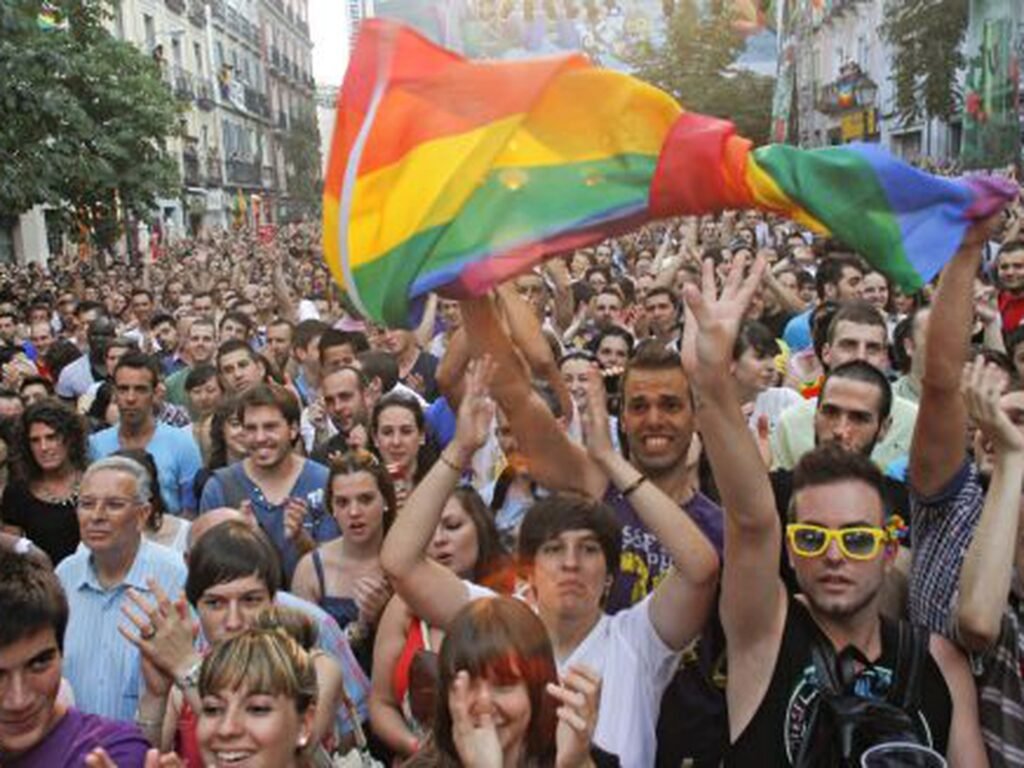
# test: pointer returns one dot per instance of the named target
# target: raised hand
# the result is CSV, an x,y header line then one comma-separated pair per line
x,y
578,696
713,321
476,411
982,386
596,434
166,631
474,733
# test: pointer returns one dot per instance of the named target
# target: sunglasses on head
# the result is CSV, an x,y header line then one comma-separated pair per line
x,y
859,543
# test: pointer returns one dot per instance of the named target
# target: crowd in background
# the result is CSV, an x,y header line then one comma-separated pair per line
x,y
681,498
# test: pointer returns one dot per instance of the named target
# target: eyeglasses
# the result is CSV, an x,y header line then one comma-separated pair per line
x,y
861,543
113,504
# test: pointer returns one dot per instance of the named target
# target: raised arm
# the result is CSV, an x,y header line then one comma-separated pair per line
x,y
555,462
939,445
752,602
431,591
988,566
682,601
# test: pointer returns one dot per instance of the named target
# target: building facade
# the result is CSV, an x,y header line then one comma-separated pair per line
x,y
835,83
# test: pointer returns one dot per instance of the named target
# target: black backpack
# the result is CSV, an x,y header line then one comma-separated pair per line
x,y
842,726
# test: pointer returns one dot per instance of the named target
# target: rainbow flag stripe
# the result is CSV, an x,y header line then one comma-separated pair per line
x,y
453,175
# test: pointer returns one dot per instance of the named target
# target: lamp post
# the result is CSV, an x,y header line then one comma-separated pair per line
x,y
866,93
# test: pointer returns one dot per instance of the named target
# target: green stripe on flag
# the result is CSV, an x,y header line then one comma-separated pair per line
x,y
511,207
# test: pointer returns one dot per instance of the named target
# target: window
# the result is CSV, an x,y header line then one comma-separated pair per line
x,y
149,29
197,51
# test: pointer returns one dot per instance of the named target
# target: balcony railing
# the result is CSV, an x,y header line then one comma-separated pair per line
x,y
214,171
205,94
184,87
178,6
190,162
242,172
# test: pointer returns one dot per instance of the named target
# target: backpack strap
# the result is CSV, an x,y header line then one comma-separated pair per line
x,y
823,655
231,485
912,653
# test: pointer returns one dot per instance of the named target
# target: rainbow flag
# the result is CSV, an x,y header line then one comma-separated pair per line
x,y
453,175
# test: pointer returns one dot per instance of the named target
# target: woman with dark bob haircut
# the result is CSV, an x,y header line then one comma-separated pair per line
x,y
49,455
499,680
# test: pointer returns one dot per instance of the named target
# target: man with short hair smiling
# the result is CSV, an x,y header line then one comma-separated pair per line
x,y
136,380
113,506
284,490
662,310
37,730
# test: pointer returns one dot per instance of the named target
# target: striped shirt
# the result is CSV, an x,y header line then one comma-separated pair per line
x,y
942,529
101,666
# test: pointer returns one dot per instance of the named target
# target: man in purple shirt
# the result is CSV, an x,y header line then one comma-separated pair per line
x,y
37,730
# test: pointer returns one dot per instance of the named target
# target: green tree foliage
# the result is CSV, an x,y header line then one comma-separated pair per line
x,y
926,37
302,157
695,64
85,117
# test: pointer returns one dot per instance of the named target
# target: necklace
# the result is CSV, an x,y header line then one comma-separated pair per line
x,y
46,493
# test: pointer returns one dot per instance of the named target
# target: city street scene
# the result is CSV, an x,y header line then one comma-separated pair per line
x,y
511,384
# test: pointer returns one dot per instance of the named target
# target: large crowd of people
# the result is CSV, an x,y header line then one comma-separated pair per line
x,y
715,492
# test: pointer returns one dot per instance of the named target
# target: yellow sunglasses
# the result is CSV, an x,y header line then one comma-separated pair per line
x,y
861,543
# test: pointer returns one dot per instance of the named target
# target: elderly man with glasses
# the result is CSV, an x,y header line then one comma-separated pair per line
x,y
103,667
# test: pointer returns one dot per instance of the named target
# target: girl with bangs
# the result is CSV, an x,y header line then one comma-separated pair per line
x,y
258,692
500,702
405,680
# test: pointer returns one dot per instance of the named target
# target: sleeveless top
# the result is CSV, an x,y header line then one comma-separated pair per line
x,y
344,610
774,735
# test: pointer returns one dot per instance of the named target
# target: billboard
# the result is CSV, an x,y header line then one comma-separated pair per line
x,y
606,30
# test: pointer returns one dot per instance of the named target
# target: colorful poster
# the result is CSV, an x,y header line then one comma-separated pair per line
x,y
606,30
991,133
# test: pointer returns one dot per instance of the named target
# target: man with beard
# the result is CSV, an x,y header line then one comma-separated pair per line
x,y
136,380
840,549
337,421
853,412
856,332
284,490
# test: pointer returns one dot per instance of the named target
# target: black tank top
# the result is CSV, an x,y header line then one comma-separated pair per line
x,y
774,735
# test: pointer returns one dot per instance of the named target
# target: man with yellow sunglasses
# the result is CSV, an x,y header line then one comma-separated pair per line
x,y
840,552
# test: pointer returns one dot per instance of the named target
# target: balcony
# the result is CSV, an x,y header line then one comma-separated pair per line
x,y
243,173
190,163
197,13
214,172
852,90
204,94
184,87
178,6
257,103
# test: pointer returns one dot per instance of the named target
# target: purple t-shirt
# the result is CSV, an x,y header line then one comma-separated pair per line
x,y
76,735
644,560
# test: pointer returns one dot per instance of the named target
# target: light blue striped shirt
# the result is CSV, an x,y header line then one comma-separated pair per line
x,y
101,666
